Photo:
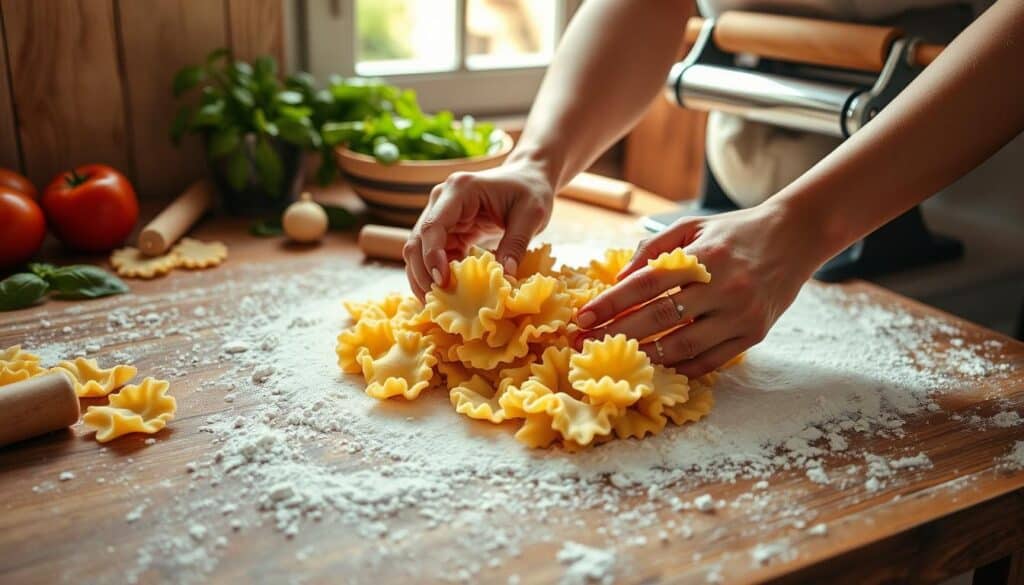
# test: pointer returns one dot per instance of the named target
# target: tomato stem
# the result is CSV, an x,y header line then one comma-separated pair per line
x,y
74,179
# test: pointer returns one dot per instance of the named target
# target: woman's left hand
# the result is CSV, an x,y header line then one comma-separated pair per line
x,y
758,259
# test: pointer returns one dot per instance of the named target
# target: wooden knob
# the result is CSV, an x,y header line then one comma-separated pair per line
x,y
383,241
37,406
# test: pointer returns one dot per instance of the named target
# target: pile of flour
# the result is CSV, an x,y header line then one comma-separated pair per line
x,y
297,446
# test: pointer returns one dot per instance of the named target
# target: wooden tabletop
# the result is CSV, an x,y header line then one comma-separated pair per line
x,y
962,512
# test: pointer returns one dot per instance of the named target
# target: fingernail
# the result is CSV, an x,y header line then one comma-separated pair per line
x,y
586,319
511,265
436,275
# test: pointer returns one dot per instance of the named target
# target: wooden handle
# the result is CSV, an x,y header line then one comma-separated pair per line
x,y
600,191
383,241
174,221
806,40
925,53
37,406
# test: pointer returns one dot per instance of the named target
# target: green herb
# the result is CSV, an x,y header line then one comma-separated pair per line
x,y
21,290
80,281
84,281
266,228
390,138
339,218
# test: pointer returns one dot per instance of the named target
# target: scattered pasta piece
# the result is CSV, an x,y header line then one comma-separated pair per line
x,y
142,408
679,261
502,346
132,263
195,254
17,364
92,381
405,369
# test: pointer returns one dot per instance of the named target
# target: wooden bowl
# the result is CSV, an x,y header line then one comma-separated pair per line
x,y
397,193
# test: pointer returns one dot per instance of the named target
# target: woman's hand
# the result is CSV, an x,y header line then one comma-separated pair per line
x,y
514,199
758,259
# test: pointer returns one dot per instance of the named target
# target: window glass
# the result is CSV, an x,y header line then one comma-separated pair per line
x,y
510,33
405,36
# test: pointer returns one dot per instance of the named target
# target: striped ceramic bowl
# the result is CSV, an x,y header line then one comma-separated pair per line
x,y
396,194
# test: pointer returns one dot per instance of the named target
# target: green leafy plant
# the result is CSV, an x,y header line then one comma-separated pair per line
x,y
240,102
79,281
413,135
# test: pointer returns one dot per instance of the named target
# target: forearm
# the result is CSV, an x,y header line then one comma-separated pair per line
x,y
610,64
957,113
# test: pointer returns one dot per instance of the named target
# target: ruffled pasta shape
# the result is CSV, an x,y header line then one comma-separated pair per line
x,y
385,308
612,371
92,381
685,264
17,364
536,261
405,369
647,417
607,270
373,337
476,299
697,407
145,408
503,347
477,398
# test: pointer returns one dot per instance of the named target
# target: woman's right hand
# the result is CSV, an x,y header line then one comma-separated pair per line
x,y
513,200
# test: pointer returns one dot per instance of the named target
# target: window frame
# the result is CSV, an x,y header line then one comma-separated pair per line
x,y
328,46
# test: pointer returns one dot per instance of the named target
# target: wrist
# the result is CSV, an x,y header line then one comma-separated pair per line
x,y
543,163
821,232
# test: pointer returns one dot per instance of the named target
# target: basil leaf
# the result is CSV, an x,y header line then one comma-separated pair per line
x,y
21,290
266,228
339,218
41,269
83,281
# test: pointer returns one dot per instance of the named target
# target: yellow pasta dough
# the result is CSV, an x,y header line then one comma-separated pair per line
x,y
143,408
132,263
196,254
502,346
17,364
92,381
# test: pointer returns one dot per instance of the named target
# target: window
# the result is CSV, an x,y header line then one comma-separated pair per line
x,y
470,56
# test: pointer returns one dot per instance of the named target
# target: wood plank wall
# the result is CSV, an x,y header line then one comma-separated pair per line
x,y
90,81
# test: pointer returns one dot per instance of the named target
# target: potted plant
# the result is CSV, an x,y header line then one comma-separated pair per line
x,y
254,129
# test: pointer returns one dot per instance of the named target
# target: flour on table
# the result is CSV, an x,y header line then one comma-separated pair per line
x,y
298,448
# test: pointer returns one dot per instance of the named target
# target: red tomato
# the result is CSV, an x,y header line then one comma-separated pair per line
x,y
18,182
22,227
92,207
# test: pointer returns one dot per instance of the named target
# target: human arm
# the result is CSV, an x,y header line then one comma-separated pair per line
x,y
610,64
966,105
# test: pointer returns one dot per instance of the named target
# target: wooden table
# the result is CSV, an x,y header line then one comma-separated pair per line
x,y
960,514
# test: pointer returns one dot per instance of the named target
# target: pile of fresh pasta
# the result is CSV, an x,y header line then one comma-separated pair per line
x,y
502,346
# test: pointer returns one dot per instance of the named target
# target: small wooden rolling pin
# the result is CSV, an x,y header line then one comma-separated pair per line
x,y
806,40
37,406
600,191
383,241
174,221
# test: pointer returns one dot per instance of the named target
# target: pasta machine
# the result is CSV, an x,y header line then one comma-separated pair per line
x,y
814,76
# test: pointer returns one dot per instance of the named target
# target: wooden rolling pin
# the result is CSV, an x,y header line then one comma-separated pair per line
x,y
37,406
383,241
806,40
174,221
600,191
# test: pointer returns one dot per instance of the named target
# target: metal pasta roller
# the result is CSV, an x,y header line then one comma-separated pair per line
x,y
808,75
